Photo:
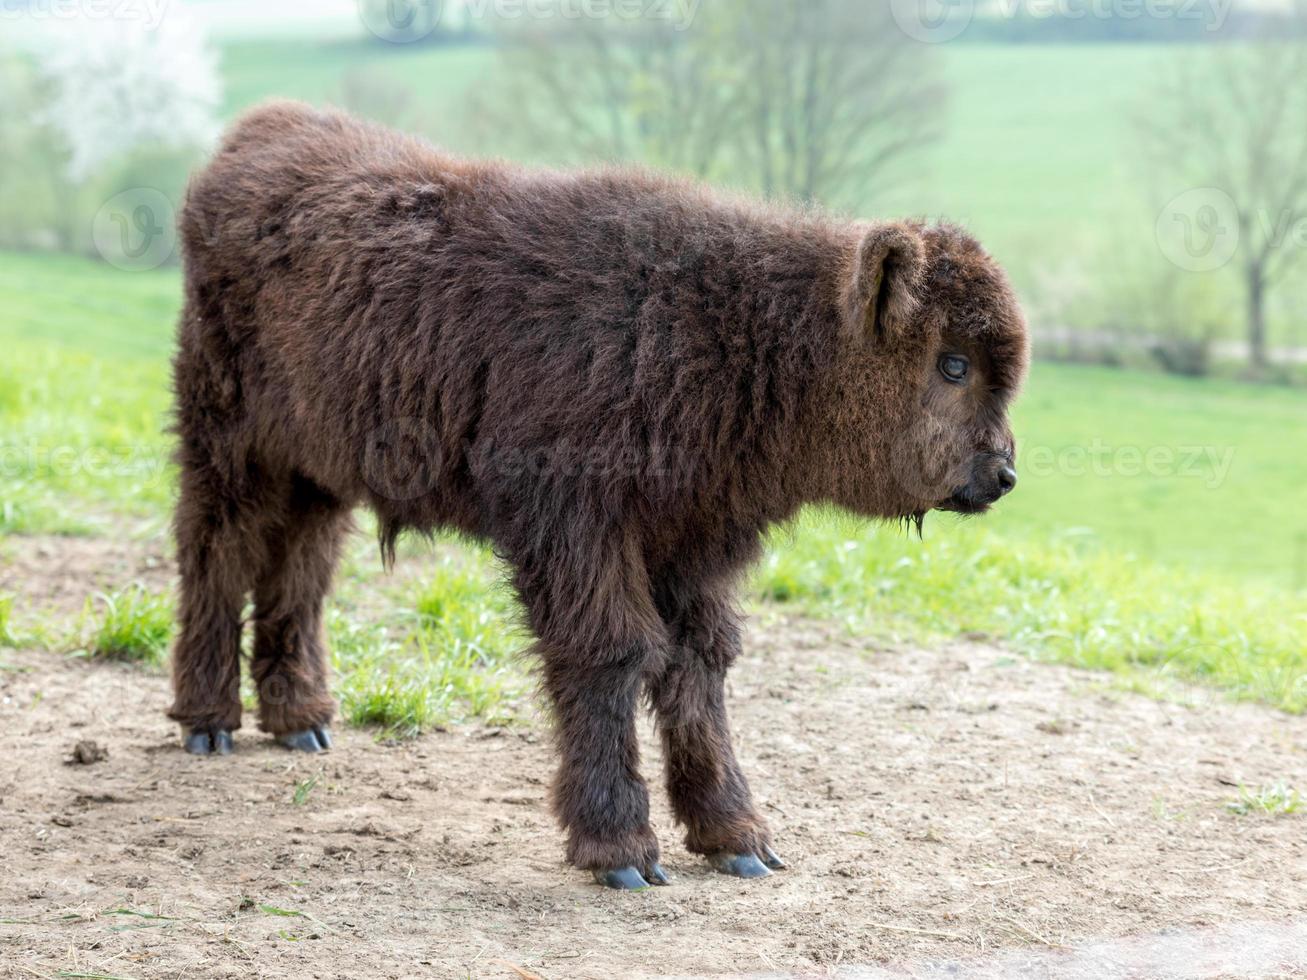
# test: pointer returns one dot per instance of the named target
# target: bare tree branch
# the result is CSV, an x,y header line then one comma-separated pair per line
x,y
811,101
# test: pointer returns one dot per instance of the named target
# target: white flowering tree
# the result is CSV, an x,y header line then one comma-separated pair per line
x,y
119,87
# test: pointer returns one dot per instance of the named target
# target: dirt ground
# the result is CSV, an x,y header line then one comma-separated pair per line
x,y
953,811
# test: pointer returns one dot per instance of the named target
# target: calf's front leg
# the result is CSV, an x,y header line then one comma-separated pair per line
x,y
599,796
598,636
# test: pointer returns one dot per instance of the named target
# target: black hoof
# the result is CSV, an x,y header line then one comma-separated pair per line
x,y
315,739
209,743
739,865
630,879
771,859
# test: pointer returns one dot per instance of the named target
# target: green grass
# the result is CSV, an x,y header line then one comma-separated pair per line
x,y
64,305
1196,474
281,913
134,913
1276,800
132,626
304,790
8,637
1152,625
452,657
82,427
83,392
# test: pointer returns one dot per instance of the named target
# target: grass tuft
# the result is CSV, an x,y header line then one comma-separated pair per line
x,y
282,913
1276,800
453,658
134,627
8,637
303,790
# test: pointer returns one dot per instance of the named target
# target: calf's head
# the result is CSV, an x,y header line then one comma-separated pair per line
x,y
934,349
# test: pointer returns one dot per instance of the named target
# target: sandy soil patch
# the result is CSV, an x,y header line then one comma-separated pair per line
x,y
955,804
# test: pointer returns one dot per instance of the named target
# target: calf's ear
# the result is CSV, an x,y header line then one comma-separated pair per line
x,y
884,289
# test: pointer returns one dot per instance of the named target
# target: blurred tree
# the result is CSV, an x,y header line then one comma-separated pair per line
x,y
834,94
1117,300
35,193
812,101
611,89
1234,120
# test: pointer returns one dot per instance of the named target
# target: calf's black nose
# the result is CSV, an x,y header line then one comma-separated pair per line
x,y
1007,479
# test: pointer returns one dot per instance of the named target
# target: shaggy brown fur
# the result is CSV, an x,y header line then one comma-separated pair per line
x,y
618,379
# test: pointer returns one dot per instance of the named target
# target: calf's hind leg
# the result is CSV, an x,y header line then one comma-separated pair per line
x,y
708,791
290,655
220,531
598,795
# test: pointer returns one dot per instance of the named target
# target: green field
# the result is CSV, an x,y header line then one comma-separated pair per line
x,y
1223,492
1159,576
1067,102
1040,152
438,79
83,385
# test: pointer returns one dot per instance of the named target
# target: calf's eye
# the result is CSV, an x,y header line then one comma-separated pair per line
x,y
954,367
